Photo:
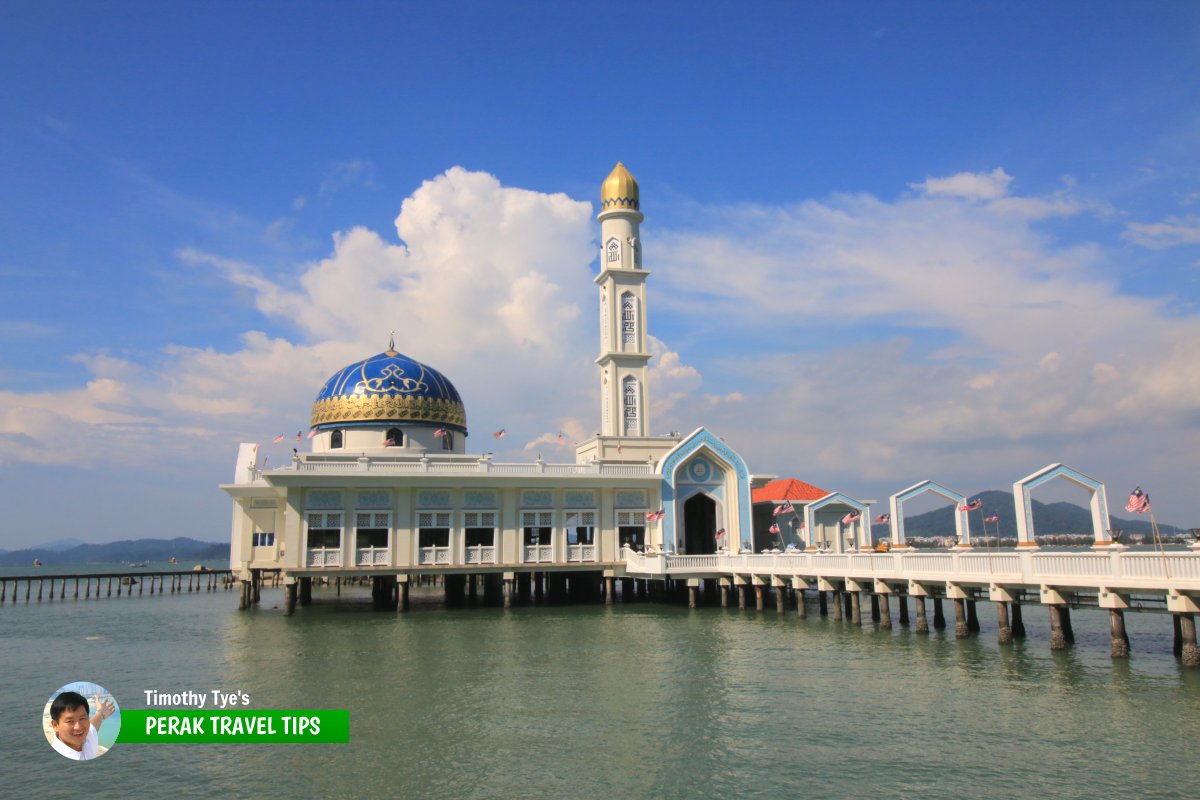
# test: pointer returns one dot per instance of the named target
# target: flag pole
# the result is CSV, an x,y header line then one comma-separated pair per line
x,y
1158,542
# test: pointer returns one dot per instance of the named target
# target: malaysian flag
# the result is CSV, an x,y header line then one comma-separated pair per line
x,y
974,505
883,518
720,534
654,516
278,439
853,516
618,447
500,434
439,432
299,436
992,518
562,439
1139,502
773,529
785,508
312,433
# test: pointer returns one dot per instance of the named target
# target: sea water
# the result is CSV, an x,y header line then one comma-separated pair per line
x,y
630,700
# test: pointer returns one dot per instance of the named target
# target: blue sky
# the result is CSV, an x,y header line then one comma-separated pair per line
x,y
889,241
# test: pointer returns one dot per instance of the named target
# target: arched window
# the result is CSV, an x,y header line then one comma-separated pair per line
x,y
612,251
628,321
335,440
448,440
629,390
394,438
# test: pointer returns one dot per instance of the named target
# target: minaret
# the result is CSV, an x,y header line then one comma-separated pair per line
x,y
624,351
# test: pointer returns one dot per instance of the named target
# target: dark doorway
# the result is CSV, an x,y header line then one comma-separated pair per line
x,y
700,525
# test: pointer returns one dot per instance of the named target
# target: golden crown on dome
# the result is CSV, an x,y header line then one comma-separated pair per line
x,y
619,189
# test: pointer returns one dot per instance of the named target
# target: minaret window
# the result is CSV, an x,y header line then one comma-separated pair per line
x,y
394,438
630,391
628,321
613,251
335,440
447,440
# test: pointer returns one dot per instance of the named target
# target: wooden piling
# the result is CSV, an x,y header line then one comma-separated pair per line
x,y
1003,631
62,592
3,590
41,587
1120,639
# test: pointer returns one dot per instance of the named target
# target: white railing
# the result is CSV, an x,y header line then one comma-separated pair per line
x,y
433,556
435,466
1116,570
538,553
581,552
324,557
371,557
480,554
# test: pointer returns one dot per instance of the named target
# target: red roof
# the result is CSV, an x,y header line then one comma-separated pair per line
x,y
786,489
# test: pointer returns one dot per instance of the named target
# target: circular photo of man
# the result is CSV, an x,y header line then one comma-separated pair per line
x,y
81,721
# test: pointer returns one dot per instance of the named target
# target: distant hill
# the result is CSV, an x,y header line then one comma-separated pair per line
x,y
1048,519
135,550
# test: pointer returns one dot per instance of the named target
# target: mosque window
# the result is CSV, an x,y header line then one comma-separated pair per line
x,y
394,438
628,320
631,529
613,251
335,440
581,527
448,440
630,393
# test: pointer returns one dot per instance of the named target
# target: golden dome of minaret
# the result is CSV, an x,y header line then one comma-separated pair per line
x,y
619,190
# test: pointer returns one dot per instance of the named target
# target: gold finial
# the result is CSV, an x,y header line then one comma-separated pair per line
x,y
391,351
619,190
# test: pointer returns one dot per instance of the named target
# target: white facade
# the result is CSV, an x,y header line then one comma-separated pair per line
x,y
389,489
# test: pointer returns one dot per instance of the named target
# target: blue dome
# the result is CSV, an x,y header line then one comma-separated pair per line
x,y
386,388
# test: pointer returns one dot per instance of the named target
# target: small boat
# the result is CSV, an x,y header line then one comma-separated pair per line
x,y
137,565
37,562
172,560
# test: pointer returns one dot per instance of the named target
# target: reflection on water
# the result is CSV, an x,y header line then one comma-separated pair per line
x,y
632,700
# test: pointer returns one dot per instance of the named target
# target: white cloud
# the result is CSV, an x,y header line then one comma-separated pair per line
x,y
968,185
1170,232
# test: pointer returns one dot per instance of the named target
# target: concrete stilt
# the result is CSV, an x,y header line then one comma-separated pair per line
x,y
876,615
856,608
52,588
538,591
1189,653
839,608
972,617
1058,641
724,596
885,611
939,615
1004,633
780,599
692,592
244,596
1018,624
848,603
1176,643
903,609
257,586
801,605
961,631
822,604
472,588
758,598
402,597
107,595
610,590
742,590
1068,630
1120,639
289,599
42,587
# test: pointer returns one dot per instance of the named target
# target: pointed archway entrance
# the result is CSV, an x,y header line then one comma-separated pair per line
x,y
700,525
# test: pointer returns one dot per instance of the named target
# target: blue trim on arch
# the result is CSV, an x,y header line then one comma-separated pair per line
x,y
698,440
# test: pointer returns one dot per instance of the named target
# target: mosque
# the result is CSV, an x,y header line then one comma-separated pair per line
x,y
389,489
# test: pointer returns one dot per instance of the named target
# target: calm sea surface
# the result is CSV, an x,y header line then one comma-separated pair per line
x,y
635,700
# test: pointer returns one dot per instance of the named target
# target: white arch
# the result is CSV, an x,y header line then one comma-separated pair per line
x,y
857,528
962,523
1099,503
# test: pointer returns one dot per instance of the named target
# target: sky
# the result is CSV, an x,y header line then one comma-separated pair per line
x,y
888,242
